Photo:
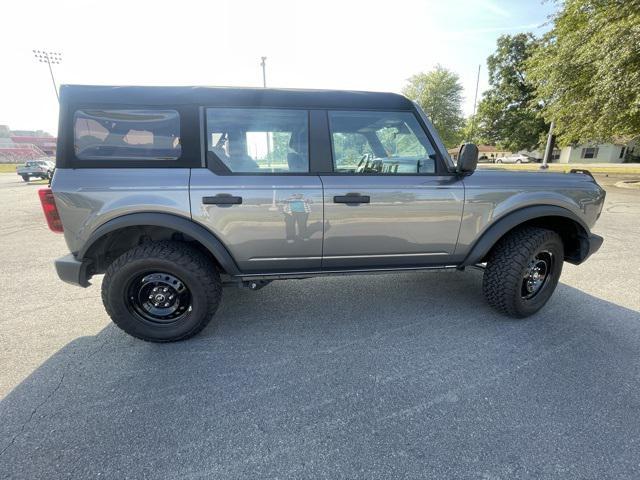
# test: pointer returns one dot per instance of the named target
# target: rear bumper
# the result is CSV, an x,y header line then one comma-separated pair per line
x,y
72,271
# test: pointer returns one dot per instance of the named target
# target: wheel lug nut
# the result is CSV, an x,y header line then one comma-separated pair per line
x,y
166,304
150,297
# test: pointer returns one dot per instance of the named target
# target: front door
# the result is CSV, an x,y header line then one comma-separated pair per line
x,y
257,195
385,206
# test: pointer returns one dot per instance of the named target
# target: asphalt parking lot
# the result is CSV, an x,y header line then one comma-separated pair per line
x,y
390,376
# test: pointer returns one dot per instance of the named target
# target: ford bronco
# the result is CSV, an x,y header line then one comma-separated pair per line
x,y
173,192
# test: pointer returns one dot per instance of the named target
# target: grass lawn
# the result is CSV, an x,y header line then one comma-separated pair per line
x,y
8,167
613,168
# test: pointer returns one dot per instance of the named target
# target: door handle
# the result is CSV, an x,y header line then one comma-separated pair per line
x,y
222,199
351,198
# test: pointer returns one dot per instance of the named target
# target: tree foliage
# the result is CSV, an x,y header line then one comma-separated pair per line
x,y
587,70
507,115
439,93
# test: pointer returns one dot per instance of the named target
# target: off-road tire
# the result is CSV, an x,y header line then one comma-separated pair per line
x,y
183,261
508,263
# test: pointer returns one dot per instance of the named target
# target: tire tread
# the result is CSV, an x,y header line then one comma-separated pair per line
x,y
177,252
501,281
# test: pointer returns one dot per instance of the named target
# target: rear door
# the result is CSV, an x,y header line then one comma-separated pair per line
x,y
256,194
386,202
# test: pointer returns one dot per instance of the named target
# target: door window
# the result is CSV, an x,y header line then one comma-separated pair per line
x,y
259,140
380,143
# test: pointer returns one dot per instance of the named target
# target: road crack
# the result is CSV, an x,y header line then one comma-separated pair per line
x,y
51,395
33,412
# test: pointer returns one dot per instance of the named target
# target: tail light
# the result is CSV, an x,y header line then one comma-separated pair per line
x,y
50,209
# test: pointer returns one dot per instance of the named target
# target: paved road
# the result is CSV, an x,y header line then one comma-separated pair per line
x,y
400,376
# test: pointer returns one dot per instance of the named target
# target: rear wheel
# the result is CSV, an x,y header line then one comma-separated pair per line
x,y
161,292
523,270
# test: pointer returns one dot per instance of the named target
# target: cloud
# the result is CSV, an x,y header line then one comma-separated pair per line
x,y
493,8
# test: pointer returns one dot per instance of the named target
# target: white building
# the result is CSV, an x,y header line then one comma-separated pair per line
x,y
594,153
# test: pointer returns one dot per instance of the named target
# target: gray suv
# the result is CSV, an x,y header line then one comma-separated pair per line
x,y
173,192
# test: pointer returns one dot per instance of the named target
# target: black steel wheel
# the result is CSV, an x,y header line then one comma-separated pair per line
x,y
162,292
523,270
539,271
158,297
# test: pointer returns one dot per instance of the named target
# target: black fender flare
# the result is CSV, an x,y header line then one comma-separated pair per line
x,y
180,224
500,227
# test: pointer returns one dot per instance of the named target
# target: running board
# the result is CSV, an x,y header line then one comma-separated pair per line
x,y
311,274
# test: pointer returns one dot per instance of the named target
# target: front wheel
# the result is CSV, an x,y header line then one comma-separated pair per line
x,y
162,292
523,270
25,178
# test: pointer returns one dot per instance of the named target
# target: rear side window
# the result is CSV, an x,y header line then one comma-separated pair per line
x,y
127,134
380,143
258,140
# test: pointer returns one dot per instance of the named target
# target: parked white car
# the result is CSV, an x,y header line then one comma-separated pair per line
x,y
42,169
515,158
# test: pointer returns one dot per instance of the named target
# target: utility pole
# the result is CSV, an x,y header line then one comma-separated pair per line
x,y
475,102
264,71
263,64
49,58
264,85
549,150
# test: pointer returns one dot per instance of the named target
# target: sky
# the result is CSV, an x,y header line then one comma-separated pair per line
x,y
338,44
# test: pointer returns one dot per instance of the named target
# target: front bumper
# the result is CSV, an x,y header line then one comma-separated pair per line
x,y
72,271
595,242
588,245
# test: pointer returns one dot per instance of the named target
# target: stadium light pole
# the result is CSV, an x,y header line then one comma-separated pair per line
x,y
50,58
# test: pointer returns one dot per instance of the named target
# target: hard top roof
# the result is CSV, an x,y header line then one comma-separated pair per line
x,y
232,96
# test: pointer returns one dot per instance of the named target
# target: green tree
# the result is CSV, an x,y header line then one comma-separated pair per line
x,y
587,70
507,115
439,93
471,132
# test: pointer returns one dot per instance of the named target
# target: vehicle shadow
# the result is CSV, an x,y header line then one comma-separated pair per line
x,y
394,376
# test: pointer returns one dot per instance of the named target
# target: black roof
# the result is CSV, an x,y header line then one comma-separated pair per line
x,y
232,96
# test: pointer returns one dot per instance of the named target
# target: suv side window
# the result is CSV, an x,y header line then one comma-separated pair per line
x,y
258,140
377,142
127,134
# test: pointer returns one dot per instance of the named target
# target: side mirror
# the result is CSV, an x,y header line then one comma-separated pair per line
x,y
467,158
